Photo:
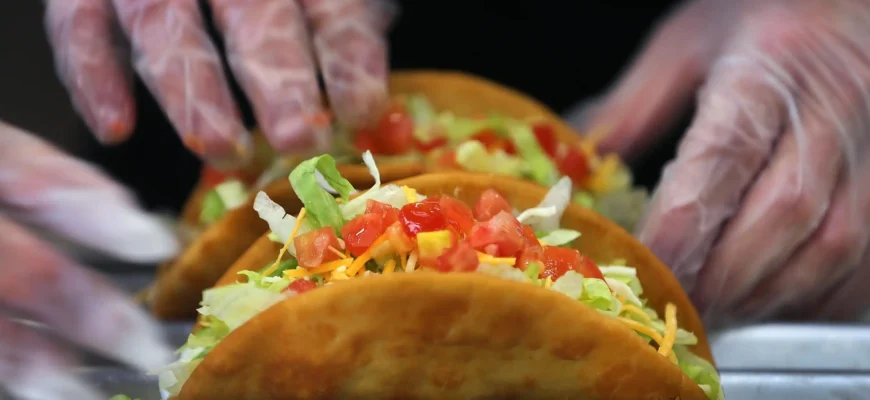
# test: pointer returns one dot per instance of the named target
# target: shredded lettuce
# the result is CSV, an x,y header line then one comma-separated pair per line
x,y
541,168
559,237
701,372
571,284
557,197
473,156
280,223
503,271
222,198
320,206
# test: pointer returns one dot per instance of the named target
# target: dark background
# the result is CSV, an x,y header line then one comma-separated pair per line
x,y
558,51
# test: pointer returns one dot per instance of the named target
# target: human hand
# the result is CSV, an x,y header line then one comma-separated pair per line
x,y
766,208
269,48
45,188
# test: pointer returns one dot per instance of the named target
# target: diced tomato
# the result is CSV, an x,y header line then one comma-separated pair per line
x,y
546,138
489,204
447,159
364,139
459,258
211,177
488,137
387,212
300,286
502,230
458,215
559,260
431,145
396,132
400,242
574,165
492,141
588,268
529,237
312,248
425,216
360,232
529,255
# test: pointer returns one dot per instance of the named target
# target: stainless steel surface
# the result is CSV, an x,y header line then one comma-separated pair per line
x,y
793,347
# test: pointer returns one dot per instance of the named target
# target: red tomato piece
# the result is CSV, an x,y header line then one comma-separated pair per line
x,y
459,258
529,255
312,248
502,230
448,160
395,132
360,232
425,216
211,177
489,138
588,268
458,215
400,241
300,286
529,237
489,204
574,165
387,212
433,144
364,139
546,138
559,260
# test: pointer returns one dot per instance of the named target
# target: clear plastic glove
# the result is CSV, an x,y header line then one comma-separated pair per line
x,y
270,49
47,189
766,208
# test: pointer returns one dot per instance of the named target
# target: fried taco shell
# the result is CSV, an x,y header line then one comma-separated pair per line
x,y
427,335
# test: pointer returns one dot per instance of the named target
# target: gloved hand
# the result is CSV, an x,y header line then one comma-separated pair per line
x,y
765,210
269,48
43,187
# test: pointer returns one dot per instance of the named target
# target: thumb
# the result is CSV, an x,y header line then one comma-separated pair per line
x,y
656,88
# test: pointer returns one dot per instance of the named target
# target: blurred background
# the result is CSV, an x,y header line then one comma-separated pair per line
x,y
560,52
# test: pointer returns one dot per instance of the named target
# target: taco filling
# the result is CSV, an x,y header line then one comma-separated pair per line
x,y
391,229
412,129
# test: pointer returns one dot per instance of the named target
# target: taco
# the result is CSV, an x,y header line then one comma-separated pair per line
x,y
452,120
448,285
475,124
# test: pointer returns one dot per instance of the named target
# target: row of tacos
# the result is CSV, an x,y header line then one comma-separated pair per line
x,y
443,285
439,121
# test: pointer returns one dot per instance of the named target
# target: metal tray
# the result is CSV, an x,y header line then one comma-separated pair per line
x,y
742,386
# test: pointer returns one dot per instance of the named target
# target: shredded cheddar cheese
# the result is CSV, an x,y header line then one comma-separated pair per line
x,y
632,309
365,256
486,258
389,267
637,326
667,344
296,273
331,266
410,194
412,262
336,252
548,282
287,244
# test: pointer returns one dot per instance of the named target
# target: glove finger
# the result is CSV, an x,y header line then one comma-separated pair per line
x,y
42,186
827,130
268,49
34,368
785,205
38,282
830,254
658,85
181,66
352,53
739,118
80,33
